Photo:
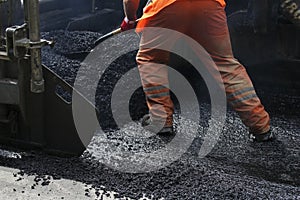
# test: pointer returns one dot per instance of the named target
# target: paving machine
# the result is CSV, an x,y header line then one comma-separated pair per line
x,y
32,113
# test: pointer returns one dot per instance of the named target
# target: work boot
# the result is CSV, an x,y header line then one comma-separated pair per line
x,y
263,137
290,9
153,126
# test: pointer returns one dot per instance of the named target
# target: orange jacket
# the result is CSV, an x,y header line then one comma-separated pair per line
x,y
157,5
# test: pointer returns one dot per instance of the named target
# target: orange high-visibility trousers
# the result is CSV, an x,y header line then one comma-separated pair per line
x,y
205,22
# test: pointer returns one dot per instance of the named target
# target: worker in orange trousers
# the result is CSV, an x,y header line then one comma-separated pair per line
x,y
205,22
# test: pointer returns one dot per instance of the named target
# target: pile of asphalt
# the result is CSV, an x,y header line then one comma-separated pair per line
x,y
235,169
67,42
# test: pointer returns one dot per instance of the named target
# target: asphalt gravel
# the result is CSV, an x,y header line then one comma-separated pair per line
x,y
235,169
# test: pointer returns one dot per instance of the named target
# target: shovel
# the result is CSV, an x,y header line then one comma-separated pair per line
x,y
80,55
106,36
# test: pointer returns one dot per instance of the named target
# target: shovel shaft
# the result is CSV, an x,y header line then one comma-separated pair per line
x,y
106,36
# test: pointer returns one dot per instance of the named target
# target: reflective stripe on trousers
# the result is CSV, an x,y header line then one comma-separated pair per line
x,y
156,89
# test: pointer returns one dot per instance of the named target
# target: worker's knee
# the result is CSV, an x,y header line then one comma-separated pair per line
x,y
153,56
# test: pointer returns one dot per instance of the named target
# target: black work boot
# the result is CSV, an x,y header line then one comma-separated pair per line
x,y
263,137
151,125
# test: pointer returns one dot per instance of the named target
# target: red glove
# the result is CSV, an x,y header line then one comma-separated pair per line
x,y
127,25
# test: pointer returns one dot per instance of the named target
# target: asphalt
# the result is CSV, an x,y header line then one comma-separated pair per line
x,y
234,169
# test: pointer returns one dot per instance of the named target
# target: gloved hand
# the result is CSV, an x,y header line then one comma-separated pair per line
x,y
127,25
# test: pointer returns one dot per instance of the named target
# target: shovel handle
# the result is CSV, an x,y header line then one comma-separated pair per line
x,y
110,34
106,36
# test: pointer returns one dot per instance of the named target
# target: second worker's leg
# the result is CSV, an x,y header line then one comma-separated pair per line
x,y
239,88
